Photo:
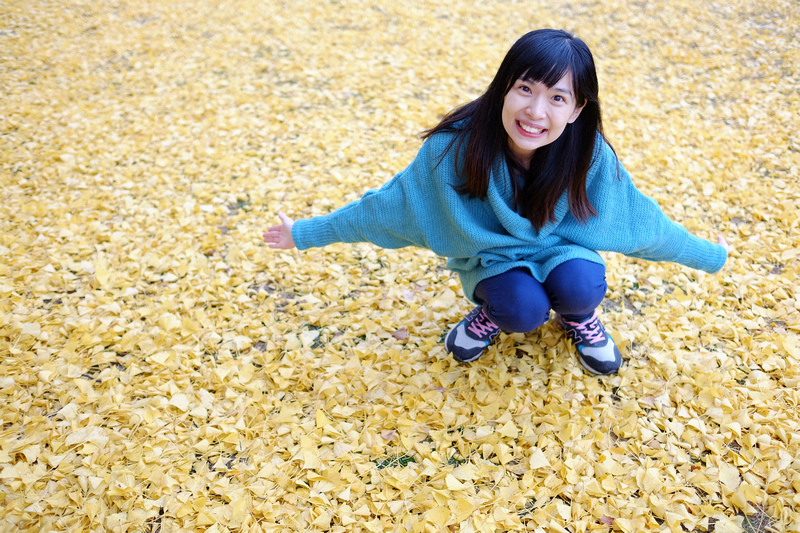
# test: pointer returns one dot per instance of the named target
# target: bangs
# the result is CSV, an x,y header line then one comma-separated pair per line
x,y
549,76
546,56
551,58
549,63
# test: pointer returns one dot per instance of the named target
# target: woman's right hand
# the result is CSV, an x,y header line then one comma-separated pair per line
x,y
281,236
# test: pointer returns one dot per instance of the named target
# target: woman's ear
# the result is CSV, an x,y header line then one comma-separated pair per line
x,y
575,114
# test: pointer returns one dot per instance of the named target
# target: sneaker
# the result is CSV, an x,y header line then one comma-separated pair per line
x,y
596,349
468,339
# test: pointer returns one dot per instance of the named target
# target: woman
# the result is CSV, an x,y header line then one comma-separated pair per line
x,y
519,189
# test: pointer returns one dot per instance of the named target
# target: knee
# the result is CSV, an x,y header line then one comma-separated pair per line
x,y
586,292
576,287
579,297
519,313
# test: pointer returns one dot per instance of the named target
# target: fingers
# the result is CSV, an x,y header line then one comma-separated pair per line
x,y
274,229
276,240
280,236
721,240
282,244
273,234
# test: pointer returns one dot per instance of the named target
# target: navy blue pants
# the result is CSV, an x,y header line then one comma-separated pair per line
x,y
515,301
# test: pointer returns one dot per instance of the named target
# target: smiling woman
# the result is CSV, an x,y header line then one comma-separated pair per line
x,y
534,115
561,64
519,189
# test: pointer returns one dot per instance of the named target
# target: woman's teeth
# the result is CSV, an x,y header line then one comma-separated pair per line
x,y
534,131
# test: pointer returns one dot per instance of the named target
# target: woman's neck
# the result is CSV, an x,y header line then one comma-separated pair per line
x,y
523,162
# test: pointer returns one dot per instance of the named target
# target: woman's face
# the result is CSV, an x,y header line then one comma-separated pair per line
x,y
534,115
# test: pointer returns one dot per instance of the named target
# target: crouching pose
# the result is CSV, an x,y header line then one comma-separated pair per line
x,y
519,189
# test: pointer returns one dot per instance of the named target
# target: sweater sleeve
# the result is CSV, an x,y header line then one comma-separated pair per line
x,y
384,216
633,224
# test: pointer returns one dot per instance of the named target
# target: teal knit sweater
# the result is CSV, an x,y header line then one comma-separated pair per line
x,y
484,238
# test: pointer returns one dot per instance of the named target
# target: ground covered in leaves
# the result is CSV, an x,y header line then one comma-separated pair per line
x,y
162,370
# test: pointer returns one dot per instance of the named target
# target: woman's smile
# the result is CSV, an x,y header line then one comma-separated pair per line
x,y
535,115
531,130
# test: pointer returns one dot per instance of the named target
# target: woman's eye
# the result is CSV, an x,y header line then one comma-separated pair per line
x,y
558,98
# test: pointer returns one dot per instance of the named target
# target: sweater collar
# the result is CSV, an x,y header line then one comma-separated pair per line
x,y
500,197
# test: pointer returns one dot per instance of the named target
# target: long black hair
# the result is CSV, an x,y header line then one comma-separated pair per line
x,y
543,56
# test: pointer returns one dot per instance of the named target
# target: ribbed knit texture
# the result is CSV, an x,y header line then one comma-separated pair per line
x,y
483,238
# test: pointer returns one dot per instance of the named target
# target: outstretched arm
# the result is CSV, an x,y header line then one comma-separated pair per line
x,y
280,236
633,224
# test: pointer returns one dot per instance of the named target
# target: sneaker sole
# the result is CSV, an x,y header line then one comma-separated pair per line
x,y
595,372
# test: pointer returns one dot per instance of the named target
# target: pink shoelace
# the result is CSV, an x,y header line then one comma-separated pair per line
x,y
591,329
482,325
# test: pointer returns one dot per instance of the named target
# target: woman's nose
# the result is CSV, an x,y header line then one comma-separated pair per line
x,y
536,108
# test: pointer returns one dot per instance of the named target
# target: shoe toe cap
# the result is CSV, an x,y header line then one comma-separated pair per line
x,y
606,360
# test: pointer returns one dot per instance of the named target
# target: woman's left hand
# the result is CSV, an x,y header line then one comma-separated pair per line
x,y
722,242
